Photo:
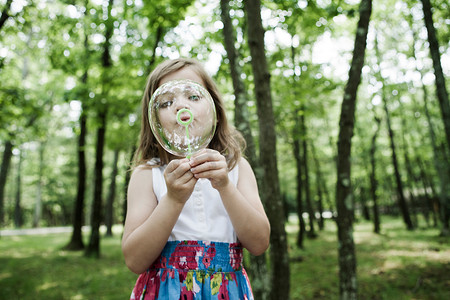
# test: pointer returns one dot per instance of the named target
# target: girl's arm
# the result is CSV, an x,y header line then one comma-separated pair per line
x,y
148,223
241,202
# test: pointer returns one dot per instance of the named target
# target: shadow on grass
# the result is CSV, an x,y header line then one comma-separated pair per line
x,y
51,273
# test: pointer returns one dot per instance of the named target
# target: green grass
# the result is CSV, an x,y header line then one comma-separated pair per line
x,y
35,267
398,264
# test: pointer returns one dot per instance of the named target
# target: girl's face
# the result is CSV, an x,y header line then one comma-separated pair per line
x,y
184,97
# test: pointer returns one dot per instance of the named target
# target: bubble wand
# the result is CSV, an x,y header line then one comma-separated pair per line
x,y
186,125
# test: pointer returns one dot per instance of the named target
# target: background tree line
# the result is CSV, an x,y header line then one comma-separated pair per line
x,y
300,79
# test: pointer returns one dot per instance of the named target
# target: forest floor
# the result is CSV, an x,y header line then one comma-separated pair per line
x,y
397,264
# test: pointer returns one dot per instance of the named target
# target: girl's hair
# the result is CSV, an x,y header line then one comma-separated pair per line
x,y
227,140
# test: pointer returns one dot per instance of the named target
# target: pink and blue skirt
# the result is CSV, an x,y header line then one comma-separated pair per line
x,y
195,270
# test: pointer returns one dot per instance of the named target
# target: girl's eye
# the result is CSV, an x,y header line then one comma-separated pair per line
x,y
166,104
194,97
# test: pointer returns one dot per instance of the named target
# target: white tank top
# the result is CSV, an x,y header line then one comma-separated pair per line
x,y
203,217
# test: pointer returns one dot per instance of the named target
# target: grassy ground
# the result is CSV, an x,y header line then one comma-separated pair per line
x,y
397,264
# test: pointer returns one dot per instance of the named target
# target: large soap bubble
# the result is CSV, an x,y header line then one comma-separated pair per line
x,y
182,117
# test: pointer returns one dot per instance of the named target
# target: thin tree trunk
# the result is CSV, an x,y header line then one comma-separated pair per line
x,y
320,187
257,267
309,205
6,161
373,179
433,207
297,137
76,241
401,201
441,89
299,180
127,180
270,182
347,256
93,248
411,176
403,206
18,213
109,217
442,96
38,206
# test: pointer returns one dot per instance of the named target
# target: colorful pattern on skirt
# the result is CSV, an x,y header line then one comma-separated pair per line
x,y
195,270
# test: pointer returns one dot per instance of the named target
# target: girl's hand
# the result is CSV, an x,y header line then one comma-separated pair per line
x,y
210,164
179,180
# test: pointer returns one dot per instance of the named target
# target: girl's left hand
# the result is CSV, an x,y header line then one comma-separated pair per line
x,y
210,164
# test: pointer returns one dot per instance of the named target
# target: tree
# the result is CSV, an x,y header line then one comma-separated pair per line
x,y
93,248
257,268
401,200
373,178
442,96
267,148
347,257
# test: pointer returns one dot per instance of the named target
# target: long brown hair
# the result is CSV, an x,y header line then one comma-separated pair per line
x,y
227,140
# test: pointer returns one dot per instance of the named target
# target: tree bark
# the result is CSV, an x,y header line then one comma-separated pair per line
x,y
347,256
299,180
403,205
270,182
5,13
309,205
442,96
109,217
38,205
257,267
6,161
373,180
18,214
321,188
93,248
76,241
401,201
441,89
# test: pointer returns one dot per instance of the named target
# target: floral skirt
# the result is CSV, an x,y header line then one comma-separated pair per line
x,y
195,270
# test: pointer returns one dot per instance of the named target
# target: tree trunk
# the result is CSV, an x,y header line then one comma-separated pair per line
x,y
299,197
257,267
241,113
431,203
347,256
403,205
441,89
270,182
442,96
38,205
309,206
442,170
401,201
125,186
373,179
93,248
18,213
321,189
109,217
297,137
5,13
6,160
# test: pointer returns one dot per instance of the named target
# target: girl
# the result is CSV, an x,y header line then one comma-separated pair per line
x,y
189,219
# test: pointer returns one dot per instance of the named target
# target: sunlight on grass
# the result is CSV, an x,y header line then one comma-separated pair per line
x,y
397,264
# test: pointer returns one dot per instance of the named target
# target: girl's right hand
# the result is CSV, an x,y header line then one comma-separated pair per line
x,y
179,180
